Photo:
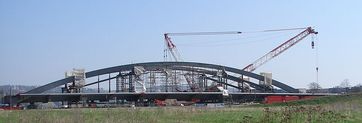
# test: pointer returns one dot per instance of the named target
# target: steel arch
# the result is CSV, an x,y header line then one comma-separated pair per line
x,y
172,65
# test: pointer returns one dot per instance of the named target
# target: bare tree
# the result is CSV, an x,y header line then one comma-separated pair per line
x,y
345,84
314,87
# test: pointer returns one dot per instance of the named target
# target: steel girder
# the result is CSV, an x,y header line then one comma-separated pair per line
x,y
171,65
52,85
147,65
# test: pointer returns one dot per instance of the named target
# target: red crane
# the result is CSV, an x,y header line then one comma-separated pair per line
x,y
171,47
280,49
176,56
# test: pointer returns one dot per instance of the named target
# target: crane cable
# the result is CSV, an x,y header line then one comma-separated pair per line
x,y
315,46
276,30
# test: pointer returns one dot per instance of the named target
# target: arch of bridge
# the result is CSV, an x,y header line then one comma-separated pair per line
x,y
171,65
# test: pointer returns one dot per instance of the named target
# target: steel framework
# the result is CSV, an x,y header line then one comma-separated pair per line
x,y
157,80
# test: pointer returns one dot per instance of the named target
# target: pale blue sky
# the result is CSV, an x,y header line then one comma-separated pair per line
x,y
40,39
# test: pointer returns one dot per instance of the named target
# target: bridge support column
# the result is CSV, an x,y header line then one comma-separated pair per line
x,y
202,83
98,84
166,83
241,84
117,84
123,87
109,83
130,84
226,81
120,83
205,84
152,81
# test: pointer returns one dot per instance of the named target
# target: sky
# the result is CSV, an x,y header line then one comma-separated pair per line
x,y
40,39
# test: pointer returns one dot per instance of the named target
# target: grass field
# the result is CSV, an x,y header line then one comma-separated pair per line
x,y
333,109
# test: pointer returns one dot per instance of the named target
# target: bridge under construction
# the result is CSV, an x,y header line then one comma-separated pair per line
x,y
147,82
183,81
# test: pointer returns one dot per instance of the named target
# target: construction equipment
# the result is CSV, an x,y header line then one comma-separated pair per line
x,y
171,47
280,49
251,67
277,51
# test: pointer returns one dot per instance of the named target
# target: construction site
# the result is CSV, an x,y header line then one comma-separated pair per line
x,y
175,82
184,61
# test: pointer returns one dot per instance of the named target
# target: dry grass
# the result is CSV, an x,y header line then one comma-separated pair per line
x,y
287,114
347,109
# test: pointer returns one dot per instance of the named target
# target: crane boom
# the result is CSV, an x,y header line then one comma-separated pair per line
x,y
203,33
280,49
172,47
177,57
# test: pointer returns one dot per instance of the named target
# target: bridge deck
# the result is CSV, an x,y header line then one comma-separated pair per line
x,y
184,96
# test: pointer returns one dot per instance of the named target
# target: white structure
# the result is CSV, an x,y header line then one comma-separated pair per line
x,y
140,86
302,90
224,91
79,75
267,79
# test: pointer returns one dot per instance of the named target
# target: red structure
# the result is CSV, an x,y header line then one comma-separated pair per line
x,y
10,108
279,99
